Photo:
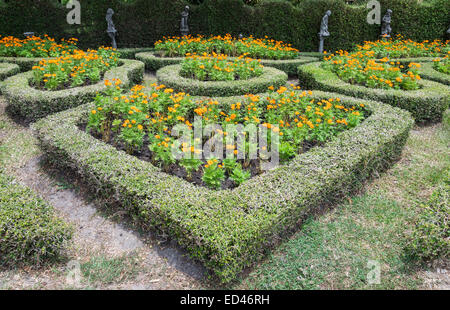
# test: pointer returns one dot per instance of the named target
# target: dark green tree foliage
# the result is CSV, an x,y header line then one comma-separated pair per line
x,y
142,22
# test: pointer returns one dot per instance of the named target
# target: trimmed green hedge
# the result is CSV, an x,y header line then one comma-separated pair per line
x,y
426,104
229,230
7,70
154,63
170,76
130,53
431,235
317,55
407,61
30,233
24,63
290,65
31,104
428,72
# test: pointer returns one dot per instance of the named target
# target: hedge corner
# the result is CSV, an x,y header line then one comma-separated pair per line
x,y
30,104
229,230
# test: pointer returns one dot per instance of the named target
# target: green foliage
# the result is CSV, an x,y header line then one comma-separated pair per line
x,y
30,233
213,174
154,62
141,22
428,71
191,165
7,70
239,175
431,235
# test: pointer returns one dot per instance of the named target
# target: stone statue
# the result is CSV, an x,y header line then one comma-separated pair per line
x,y
241,36
112,32
324,30
184,27
386,24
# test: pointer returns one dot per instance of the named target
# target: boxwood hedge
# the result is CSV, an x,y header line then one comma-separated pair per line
x,y
30,103
229,230
427,71
154,63
24,63
7,70
430,238
130,52
426,104
30,233
170,76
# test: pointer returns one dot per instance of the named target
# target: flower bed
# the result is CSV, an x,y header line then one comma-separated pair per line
x,y
171,77
255,48
36,47
218,67
426,104
154,62
429,239
360,68
401,48
30,233
229,230
27,53
7,70
141,124
30,103
77,69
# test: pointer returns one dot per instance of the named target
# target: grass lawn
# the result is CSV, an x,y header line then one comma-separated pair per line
x,y
332,250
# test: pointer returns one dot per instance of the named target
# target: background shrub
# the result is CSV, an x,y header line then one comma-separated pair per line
x,y
30,233
141,22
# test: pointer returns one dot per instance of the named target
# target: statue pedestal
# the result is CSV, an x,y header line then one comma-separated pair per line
x,y
321,40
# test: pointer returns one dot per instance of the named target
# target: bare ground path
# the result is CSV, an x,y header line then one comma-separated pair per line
x,y
131,260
